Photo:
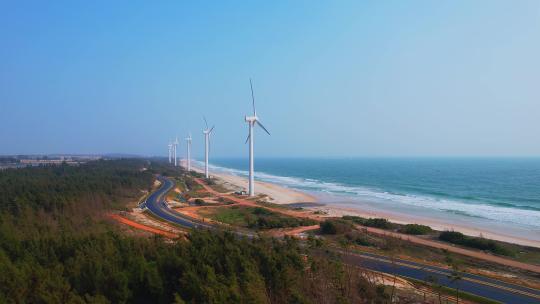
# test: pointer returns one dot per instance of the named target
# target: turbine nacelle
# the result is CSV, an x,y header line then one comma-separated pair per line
x,y
208,131
251,119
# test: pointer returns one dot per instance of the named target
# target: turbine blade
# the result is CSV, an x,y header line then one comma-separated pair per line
x,y
211,130
247,139
252,98
205,122
260,125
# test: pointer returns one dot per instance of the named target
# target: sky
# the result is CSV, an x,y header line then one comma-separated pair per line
x,y
331,78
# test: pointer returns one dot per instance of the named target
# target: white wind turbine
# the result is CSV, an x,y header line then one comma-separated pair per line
x,y
170,152
175,148
188,140
252,120
206,133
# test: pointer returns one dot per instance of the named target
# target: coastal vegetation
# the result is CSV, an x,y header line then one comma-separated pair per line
x,y
415,229
334,226
56,246
257,218
522,253
459,238
380,223
337,232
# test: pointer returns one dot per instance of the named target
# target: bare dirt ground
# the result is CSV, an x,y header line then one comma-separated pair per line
x,y
296,231
139,226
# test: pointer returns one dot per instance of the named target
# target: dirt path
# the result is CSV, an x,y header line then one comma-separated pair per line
x,y
454,249
245,202
136,225
292,231
410,238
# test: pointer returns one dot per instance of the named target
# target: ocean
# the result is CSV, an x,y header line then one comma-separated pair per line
x,y
501,191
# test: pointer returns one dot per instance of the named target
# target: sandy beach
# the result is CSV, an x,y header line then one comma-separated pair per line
x,y
276,193
283,195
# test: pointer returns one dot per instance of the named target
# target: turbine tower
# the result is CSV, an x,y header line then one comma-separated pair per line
x,y
206,133
170,152
175,148
188,140
252,120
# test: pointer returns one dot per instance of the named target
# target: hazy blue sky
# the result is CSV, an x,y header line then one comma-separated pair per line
x,y
333,78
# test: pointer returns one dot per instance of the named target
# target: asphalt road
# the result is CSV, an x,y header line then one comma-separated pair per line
x,y
155,203
475,284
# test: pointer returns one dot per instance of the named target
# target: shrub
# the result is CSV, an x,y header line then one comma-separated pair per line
x,y
378,223
210,181
354,219
459,238
452,237
359,238
334,227
370,222
262,211
415,229
199,202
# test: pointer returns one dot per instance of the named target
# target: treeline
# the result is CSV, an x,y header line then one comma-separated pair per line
x,y
208,268
57,188
55,250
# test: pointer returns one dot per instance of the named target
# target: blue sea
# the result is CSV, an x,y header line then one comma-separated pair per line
x,y
501,191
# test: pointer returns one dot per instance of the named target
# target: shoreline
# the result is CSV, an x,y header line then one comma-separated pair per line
x,y
284,195
278,194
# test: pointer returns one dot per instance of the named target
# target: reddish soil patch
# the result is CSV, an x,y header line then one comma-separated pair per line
x,y
136,225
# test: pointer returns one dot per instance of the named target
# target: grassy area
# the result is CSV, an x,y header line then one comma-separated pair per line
x,y
180,185
271,205
231,216
216,186
198,194
255,218
192,185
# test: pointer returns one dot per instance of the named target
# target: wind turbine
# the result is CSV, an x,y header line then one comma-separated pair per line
x,y
252,120
170,152
206,133
188,140
175,148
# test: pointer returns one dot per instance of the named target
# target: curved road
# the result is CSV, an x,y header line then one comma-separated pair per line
x,y
475,284
156,204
